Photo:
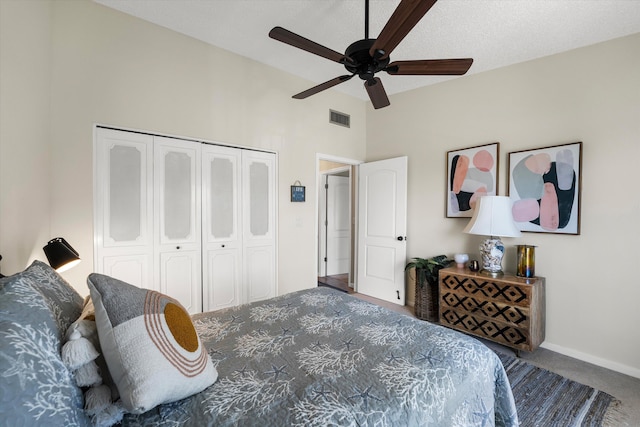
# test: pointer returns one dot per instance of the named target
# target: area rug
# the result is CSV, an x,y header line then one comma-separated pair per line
x,y
546,399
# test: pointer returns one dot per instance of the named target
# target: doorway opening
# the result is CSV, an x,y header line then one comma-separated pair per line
x,y
336,179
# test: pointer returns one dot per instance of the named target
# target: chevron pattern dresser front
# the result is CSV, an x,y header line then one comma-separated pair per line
x,y
507,309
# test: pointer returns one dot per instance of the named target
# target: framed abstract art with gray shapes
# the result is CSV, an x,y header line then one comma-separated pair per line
x,y
545,185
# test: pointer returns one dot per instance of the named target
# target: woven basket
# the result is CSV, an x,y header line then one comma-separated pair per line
x,y
426,304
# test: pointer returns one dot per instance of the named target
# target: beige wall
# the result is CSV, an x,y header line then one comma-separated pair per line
x,y
25,75
590,95
110,68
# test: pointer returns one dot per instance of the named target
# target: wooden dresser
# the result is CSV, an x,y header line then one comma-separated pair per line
x,y
509,310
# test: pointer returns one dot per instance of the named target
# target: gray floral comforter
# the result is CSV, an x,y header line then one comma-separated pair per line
x,y
323,358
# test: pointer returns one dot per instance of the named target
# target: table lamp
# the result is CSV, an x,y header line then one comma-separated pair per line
x,y
61,255
492,217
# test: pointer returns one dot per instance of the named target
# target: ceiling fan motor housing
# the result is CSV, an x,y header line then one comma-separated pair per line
x,y
363,64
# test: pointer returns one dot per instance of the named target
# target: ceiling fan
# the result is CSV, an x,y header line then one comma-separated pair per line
x,y
368,56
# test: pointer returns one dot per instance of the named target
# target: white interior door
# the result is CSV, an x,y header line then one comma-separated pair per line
x,y
382,219
338,228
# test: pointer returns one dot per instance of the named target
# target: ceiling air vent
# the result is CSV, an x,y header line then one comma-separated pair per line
x,y
338,118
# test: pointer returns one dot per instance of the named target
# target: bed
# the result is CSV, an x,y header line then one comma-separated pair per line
x,y
316,357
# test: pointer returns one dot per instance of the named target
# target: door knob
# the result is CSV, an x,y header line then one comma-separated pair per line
x,y
223,246
177,247
400,238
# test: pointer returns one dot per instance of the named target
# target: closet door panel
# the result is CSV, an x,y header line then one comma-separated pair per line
x,y
124,206
259,273
222,280
125,170
134,268
222,227
177,188
177,218
258,196
179,271
258,170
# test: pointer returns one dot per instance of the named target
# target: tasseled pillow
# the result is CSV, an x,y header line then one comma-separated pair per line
x,y
78,350
99,407
89,375
81,355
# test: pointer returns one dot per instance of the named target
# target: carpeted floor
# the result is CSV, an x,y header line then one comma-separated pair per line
x,y
544,398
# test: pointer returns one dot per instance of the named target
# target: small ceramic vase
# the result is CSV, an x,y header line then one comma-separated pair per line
x,y
461,259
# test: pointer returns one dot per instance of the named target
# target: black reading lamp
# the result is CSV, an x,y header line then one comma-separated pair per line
x,y
61,255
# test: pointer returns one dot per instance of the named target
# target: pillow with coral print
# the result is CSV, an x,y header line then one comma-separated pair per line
x,y
36,388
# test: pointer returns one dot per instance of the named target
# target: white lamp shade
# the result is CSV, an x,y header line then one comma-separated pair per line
x,y
492,217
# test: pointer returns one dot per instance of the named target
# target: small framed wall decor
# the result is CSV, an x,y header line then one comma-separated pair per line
x,y
297,192
471,173
545,185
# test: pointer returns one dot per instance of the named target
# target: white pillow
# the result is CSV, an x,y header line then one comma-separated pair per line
x,y
151,347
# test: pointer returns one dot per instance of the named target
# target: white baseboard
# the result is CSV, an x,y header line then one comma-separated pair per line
x,y
604,363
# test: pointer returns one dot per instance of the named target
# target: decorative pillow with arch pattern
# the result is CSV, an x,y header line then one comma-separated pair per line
x,y
151,347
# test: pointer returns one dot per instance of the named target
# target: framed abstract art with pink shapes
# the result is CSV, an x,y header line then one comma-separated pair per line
x,y
545,185
471,173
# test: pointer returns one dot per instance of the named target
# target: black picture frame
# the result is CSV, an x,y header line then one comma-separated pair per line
x,y
561,174
478,177
297,193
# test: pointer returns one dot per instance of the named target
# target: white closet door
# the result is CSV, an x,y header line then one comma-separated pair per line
x,y
177,218
258,189
221,227
124,206
192,220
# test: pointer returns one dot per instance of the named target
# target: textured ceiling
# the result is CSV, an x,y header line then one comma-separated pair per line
x,y
495,33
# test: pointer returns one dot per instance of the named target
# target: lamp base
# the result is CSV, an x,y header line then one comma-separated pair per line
x,y
492,251
491,273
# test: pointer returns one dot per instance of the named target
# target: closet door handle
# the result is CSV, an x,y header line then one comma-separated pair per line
x,y
223,246
177,247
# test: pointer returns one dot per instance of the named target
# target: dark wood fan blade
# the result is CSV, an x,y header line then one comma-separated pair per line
x,y
286,36
430,67
376,92
322,86
404,18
